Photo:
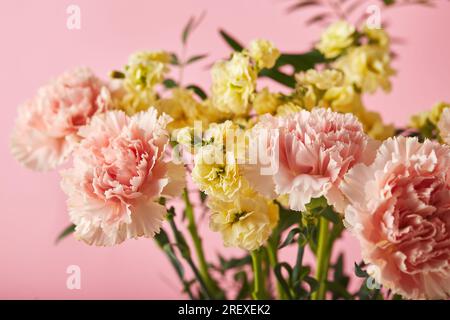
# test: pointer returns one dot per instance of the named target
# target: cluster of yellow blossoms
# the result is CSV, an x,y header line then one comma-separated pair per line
x,y
356,63
427,122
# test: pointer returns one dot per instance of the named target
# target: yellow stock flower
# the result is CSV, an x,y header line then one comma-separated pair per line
x,y
322,80
288,108
246,222
341,99
266,102
368,67
374,126
233,85
264,53
377,36
336,38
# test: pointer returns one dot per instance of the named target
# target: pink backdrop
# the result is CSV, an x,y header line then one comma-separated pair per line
x,y
36,45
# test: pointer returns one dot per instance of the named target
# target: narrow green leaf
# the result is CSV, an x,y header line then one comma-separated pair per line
x,y
279,275
198,91
234,44
169,83
278,76
313,284
329,214
338,290
67,231
187,30
359,272
290,238
196,58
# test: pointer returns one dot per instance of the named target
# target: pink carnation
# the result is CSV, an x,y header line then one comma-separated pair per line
x,y
311,152
47,125
400,212
120,171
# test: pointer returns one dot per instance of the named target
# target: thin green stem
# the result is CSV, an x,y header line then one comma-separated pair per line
x,y
323,258
258,276
192,228
272,251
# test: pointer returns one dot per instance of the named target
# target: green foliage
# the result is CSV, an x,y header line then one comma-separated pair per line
x,y
299,62
66,232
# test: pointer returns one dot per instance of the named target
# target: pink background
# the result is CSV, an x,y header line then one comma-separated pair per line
x,y
36,45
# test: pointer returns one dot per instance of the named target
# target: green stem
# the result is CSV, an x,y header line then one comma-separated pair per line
x,y
273,260
323,258
258,276
192,228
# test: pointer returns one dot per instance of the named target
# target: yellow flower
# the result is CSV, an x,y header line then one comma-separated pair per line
x,y
341,99
288,108
142,73
264,53
233,85
336,38
146,69
215,174
182,106
216,170
377,36
246,222
436,112
374,126
368,67
322,80
266,102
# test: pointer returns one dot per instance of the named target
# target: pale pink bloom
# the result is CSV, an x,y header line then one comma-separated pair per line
x,y
310,152
400,212
119,173
47,125
444,126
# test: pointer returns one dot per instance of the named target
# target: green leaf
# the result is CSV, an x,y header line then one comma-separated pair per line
x,y
313,284
116,74
290,238
169,83
67,231
245,290
359,272
174,60
340,279
338,290
301,61
234,44
329,214
227,264
196,58
187,30
190,26
278,76
279,275
198,91
203,196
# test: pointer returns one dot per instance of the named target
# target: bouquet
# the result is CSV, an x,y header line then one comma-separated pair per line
x,y
145,155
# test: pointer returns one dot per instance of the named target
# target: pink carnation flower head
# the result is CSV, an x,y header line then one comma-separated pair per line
x,y
313,151
119,173
400,212
47,125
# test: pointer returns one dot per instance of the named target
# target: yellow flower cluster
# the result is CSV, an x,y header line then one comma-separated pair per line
x,y
246,222
336,39
244,218
143,72
364,57
234,81
427,122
